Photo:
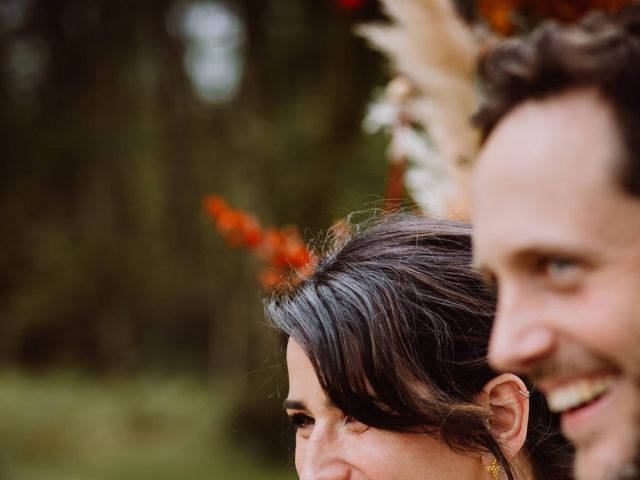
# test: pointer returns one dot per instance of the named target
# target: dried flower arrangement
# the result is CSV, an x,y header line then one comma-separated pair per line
x,y
428,104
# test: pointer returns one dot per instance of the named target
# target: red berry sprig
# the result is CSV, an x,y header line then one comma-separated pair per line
x,y
286,256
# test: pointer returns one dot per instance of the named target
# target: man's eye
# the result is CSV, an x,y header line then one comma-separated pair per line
x,y
560,265
560,269
300,420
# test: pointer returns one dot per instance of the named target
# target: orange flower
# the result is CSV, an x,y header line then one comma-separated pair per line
x,y
298,255
215,205
239,228
501,13
271,245
283,250
252,235
271,278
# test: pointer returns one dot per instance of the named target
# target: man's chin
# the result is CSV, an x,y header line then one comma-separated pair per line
x,y
590,467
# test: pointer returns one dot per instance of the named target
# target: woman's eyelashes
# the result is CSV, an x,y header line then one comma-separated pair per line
x,y
302,422
354,425
299,420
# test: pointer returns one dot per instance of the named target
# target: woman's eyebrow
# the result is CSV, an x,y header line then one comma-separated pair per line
x,y
289,404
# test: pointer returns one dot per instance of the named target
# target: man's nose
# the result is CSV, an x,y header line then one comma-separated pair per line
x,y
521,332
322,457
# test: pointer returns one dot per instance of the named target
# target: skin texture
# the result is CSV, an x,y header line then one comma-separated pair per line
x,y
330,446
560,239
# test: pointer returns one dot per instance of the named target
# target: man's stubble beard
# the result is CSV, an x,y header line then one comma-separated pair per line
x,y
631,470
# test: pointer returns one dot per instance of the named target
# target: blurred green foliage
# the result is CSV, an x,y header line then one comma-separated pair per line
x,y
68,427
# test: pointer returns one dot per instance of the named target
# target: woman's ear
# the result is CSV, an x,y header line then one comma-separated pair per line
x,y
508,400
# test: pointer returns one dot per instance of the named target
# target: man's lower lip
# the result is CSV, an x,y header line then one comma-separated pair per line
x,y
583,421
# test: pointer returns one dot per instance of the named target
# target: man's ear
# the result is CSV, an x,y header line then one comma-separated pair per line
x,y
508,400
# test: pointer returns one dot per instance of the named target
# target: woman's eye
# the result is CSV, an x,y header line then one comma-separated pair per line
x,y
354,425
300,420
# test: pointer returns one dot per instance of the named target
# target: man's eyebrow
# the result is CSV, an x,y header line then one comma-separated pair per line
x,y
528,253
290,404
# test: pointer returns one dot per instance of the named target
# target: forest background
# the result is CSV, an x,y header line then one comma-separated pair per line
x,y
132,340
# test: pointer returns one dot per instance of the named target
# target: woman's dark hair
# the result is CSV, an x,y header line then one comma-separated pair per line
x,y
602,51
396,325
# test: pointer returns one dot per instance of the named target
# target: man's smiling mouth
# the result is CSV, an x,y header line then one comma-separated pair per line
x,y
580,392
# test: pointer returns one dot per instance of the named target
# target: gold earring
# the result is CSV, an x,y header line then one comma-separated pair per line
x,y
493,469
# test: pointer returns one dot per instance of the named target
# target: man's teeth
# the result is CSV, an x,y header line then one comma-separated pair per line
x,y
578,393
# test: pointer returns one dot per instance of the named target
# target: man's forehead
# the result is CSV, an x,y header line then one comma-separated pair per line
x,y
553,136
544,180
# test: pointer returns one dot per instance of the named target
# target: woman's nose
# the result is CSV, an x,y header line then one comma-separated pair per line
x,y
322,456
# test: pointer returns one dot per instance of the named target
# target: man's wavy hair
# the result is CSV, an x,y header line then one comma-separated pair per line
x,y
602,51
396,325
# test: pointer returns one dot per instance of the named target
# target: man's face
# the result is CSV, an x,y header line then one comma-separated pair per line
x,y
561,241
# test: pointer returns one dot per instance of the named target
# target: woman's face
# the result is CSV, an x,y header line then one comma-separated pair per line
x,y
332,446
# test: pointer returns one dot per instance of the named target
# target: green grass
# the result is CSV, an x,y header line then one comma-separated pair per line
x,y
65,427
